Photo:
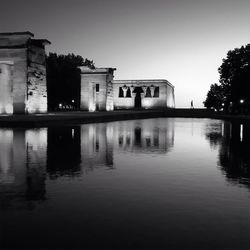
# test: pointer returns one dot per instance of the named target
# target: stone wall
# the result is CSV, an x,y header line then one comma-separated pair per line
x,y
109,93
18,72
36,85
170,97
24,82
165,96
6,88
96,89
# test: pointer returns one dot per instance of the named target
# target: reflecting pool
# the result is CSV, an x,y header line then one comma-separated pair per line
x,y
167,182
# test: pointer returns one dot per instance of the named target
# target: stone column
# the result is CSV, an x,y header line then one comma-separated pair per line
x,y
132,88
152,90
6,87
143,95
133,95
125,89
144,88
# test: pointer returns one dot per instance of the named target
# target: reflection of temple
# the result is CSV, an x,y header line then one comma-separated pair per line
x,y
22,164
233,140
143,136
97,145
28,156
36,146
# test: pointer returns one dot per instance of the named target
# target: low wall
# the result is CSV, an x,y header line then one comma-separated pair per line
x,y
66,118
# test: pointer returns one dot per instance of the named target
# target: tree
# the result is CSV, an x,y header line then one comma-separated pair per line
x,y
215,97
63,80
235,74
234,88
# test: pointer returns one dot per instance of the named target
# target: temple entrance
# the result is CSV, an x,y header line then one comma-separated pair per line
x,y
6,88
138,91
138,100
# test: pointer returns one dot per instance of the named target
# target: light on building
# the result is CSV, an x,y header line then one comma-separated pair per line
x,y
92,107
9,109
109,107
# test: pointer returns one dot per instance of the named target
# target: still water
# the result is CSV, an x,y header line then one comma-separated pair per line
x,y
171,183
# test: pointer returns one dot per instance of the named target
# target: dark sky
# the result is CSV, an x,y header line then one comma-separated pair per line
x,y
182,41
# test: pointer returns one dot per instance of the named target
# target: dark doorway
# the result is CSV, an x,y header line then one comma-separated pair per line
x,y
138,100
138,91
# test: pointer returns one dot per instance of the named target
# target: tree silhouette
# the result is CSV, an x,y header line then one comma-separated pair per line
x,y
235,79
63,80
215,97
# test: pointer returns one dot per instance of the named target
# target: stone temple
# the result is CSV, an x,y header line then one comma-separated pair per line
x,y
22,74
100,92
23,86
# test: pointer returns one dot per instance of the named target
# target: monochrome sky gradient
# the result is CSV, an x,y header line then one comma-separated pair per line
x,y
183,41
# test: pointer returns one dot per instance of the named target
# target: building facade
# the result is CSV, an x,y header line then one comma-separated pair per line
x,y
100,92
23,87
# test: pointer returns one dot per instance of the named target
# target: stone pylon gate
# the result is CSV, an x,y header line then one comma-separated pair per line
x,y
97,89
22,74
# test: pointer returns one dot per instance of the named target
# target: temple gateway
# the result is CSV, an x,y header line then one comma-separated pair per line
x,y
23,88
100,92
23,85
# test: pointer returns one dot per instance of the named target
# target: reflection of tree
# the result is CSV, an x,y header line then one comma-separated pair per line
x,y
214,134
234,151
64,151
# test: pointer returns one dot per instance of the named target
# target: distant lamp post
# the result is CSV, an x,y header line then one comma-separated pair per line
x,y
60,105
241,107
73,101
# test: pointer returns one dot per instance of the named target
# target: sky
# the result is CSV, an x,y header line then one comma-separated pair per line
x,y
182,41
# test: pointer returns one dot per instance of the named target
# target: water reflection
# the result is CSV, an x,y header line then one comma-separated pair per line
x,y
22,166
117,184
144,136
97,146
28,157
233,141
64,151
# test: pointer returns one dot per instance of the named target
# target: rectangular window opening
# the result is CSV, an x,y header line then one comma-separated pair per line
x,y
121,92
157,92
97,87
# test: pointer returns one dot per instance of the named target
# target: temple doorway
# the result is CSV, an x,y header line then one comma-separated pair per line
x,y
6,88
138,91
